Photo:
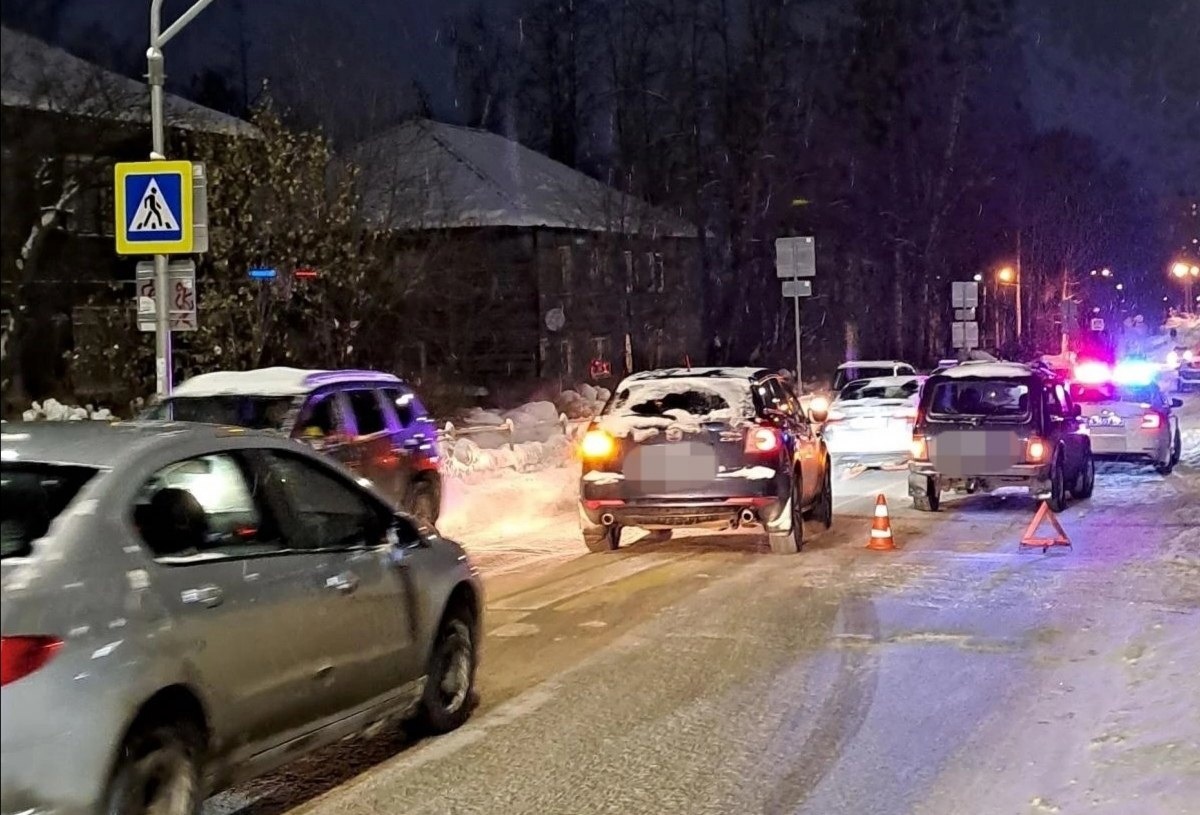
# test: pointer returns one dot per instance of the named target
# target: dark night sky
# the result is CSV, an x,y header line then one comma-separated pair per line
x,y
1123,71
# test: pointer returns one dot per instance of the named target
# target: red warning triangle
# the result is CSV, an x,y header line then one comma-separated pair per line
x,y
1030,538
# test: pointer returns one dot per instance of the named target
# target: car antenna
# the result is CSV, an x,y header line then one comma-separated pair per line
x,y
687,360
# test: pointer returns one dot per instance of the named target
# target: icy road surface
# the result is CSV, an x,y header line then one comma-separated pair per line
x,y
701,675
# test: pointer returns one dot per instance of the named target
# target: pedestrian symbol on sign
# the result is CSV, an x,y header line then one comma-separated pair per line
x,y
152,213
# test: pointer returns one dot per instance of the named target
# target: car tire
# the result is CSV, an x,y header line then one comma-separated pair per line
x,y
1058,485
424,503
450,678
1085,482
931,501
602,538
158,770
1176,450
823,513
792,541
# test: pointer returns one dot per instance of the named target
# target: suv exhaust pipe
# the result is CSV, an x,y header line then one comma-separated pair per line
x,y
607,519
748,517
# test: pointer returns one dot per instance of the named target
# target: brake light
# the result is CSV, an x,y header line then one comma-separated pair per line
x,y
597,444
919,449
22,655
1151,421
762,440
1035,451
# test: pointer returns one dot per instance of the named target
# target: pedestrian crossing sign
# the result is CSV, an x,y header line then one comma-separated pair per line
x,y
154,207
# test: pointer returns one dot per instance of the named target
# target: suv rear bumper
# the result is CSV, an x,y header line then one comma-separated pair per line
x,y
1035,477
681,512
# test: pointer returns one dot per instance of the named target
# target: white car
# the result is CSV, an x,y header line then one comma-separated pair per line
x,y
1128,416
871,420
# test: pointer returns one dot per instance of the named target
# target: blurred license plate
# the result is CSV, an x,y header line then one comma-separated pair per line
x,y
671,467
1105,421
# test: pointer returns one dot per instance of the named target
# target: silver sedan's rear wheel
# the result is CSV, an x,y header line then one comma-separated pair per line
x,y
157,771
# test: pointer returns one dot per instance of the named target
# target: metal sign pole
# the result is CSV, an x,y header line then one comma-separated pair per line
x,y
156,78
796,316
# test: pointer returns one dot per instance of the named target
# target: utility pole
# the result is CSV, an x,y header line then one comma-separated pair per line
x,y
1019,321
156,79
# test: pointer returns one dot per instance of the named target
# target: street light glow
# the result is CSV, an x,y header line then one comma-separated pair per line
x,y
978,278
1120,287
1106,272
1007,275
1180,269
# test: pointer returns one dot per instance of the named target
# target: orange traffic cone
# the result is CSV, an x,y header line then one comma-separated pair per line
x,y
881,527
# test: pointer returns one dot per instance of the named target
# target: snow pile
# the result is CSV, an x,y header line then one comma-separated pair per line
x,y
583,403
463,458
54,411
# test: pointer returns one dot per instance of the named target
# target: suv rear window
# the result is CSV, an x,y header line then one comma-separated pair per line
x,y
873,389
845,376
999,398
701,398
31,497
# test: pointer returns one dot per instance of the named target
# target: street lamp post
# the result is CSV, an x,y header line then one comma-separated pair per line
x,y
1011,277
156,78
1188,274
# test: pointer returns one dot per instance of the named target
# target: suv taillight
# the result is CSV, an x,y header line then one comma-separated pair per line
x,y
919,449
22,655
1035,451
1151,421
761,440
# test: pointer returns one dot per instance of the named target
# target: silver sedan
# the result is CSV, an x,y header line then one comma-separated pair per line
x,y
186,607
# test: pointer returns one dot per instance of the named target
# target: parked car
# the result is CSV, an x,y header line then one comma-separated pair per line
x,y
1128,416
723,448
186,607
987,425
373,423
871,421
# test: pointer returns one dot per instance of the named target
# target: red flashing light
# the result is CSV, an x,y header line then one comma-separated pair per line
x,y
1092,373
306,272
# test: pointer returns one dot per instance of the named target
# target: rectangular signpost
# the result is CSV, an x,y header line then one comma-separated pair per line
x,y
796,260
181,295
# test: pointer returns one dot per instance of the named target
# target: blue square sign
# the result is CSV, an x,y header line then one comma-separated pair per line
x,y
154,207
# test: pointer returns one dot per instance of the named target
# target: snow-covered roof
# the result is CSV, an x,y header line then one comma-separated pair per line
x,y
999,370
699,373
870,363
273,382
887,381
37,76
428,175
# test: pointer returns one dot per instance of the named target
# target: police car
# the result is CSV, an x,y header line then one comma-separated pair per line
x,y
1128,416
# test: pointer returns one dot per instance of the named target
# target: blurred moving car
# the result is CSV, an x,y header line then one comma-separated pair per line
x,y
715,448
1128,416
986,425
186,607
871,421
849,372
1189,370
369,421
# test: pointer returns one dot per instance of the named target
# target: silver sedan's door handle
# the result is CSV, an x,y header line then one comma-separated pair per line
x,y
346,582
207,596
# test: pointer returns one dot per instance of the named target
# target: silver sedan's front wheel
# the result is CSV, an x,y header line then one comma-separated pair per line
x,y
446,703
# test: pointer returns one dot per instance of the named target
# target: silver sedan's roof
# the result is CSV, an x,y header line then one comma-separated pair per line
x,y
106,444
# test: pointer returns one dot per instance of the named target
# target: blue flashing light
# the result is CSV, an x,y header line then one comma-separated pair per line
x,y
262,273
1135,373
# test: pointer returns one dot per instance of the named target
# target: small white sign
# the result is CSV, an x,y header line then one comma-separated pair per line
x,y
797,288
181,304
1097,323
795,257
964,295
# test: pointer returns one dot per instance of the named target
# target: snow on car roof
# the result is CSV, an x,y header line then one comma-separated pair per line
x,y
278,381
871,363
699,373
887,381
987,369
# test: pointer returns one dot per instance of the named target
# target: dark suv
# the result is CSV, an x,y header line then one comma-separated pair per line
x,y
998,424
371,422
703,448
